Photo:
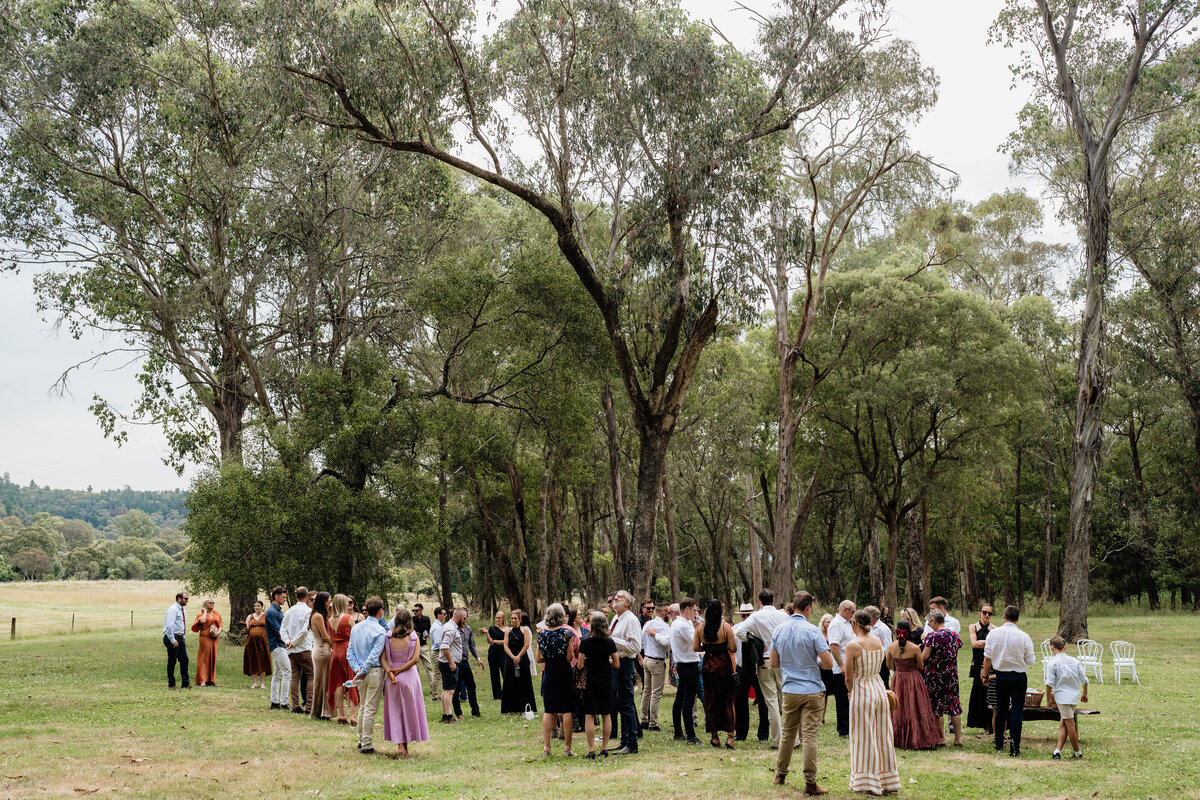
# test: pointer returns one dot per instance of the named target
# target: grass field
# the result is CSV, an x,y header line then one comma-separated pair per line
x,y
90,714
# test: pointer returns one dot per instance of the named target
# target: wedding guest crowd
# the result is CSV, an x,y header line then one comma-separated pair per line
x,y
331,661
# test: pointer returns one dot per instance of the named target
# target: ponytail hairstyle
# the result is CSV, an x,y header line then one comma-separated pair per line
x,y
903,630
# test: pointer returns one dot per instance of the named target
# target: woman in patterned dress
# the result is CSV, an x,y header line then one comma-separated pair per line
x,y
872,754
557,647
940,652
717,642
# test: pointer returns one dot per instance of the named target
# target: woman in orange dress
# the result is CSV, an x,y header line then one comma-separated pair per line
x,y
208,625
256,659
340,623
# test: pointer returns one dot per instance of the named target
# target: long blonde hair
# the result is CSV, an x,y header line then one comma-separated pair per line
x,y
340,605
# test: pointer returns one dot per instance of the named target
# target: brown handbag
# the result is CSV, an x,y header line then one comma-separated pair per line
x,y
893,700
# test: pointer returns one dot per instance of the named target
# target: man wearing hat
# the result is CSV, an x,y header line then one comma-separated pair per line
x,y
761,625
654,664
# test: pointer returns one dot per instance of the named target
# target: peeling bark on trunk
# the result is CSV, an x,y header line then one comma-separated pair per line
x,y
873,561
916,591
672,549
509,580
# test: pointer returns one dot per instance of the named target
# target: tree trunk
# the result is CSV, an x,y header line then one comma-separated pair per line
x,y
1091,388
520,532
917,592
1149,538
874,558
558,512
639,569
891,596
509,580
672,549
621,540
230,420
755,585
1017,520
587,546
543,536
444,571
443,536
788,535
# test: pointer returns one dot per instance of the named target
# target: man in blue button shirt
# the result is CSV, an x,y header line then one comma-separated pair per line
x,y
799,651
281,669
175,640
366,645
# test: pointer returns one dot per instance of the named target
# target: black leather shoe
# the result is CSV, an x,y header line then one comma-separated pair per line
x,y
366,751
273,705
693,740
297,710
1014,751
283,707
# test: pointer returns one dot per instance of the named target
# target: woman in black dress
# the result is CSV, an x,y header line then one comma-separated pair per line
x,y
598,658
716,640
979,715
517,694
556,650
496,656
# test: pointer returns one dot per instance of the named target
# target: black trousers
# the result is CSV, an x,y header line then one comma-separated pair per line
x,y
685,699
466,688
1010,704
625,709
496,660
885,674
842,701
178,654
741,707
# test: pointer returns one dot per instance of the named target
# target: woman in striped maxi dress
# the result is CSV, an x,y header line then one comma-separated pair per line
x,y
872,753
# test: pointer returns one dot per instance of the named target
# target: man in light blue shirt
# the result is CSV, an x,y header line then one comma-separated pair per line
x,y
799,651
363,651
175,640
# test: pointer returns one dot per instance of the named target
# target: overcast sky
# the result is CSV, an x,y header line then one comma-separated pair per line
x,y
55,441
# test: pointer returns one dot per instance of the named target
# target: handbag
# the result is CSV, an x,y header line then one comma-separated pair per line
x,y
893,700
214,631
529,714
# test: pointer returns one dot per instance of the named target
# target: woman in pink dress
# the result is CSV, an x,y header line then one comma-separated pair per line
x,y
404,701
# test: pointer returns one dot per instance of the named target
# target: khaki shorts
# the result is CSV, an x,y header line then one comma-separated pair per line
x,y
1066,710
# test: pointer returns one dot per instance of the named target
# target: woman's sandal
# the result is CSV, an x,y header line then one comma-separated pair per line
x,y
715,741
567,752
729,743
545,751
591,755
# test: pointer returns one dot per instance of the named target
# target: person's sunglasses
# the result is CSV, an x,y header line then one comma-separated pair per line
x,y
986,613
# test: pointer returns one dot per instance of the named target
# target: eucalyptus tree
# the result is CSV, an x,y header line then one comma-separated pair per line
x,y
584,105
847,162
927,373
1085,77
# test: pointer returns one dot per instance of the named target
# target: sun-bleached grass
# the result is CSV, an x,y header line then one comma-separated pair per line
x,y
79,713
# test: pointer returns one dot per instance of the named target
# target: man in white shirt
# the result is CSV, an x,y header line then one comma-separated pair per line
x,y
762,624
884,634
1007,654
687,665
175,639
435,638
654,664
841,633
627,636
298,641
940,604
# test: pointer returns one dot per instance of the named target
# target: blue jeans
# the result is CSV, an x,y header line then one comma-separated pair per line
x,y
177,654
1010,705
626,708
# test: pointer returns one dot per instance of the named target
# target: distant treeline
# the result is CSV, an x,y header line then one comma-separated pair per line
x,y
98,509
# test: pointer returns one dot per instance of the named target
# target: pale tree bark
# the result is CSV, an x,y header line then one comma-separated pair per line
x,y
672,547
1091,377
752,536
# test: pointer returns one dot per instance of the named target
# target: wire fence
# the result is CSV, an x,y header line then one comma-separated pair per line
x,y
64,623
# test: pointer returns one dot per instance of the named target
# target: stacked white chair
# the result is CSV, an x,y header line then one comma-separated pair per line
x,y
1124,655
1091,655
1047,654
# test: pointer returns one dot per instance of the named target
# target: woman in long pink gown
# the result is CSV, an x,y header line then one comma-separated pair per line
x,y
404,701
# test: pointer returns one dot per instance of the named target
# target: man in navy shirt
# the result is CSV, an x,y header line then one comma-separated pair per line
x,y
281,668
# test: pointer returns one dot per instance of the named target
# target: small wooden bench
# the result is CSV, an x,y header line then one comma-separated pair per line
x,y
1042,712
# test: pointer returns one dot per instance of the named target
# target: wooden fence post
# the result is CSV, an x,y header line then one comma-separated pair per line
x,y
72,623
13,631
130,620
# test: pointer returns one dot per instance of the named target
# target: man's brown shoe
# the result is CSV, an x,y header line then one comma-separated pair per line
x,y
812,788
778,780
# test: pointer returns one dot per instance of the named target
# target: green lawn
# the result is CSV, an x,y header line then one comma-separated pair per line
x,y
89,713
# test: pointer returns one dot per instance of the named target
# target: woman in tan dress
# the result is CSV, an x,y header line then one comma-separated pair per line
x,y
208,625
256,658
322,655
872,751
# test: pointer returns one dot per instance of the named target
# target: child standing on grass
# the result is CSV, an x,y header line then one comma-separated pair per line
x,y
1066,677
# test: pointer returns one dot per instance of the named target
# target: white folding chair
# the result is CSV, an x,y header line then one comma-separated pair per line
x,y
1091,655
1047,654
1124,655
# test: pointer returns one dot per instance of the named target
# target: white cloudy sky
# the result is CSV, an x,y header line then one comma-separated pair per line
x,y
54,439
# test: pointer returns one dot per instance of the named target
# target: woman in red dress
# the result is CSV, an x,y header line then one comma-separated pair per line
x,y
913,725
340,623
208,625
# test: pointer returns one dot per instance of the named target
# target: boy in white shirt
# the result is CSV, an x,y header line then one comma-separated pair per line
x,y
1068,680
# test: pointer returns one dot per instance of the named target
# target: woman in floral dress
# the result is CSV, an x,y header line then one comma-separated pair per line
x,y
941,675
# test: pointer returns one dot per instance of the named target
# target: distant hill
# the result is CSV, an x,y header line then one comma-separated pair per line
x,y
97,508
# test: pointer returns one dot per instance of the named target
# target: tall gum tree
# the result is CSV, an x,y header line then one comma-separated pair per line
x,y
1084,60
631,110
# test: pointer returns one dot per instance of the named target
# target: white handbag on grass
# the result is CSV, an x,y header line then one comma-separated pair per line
x,y
529,714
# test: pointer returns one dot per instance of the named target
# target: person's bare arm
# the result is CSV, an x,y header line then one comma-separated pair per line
x,y
852,651
729,639
835,652
824,659
985,672
775,659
